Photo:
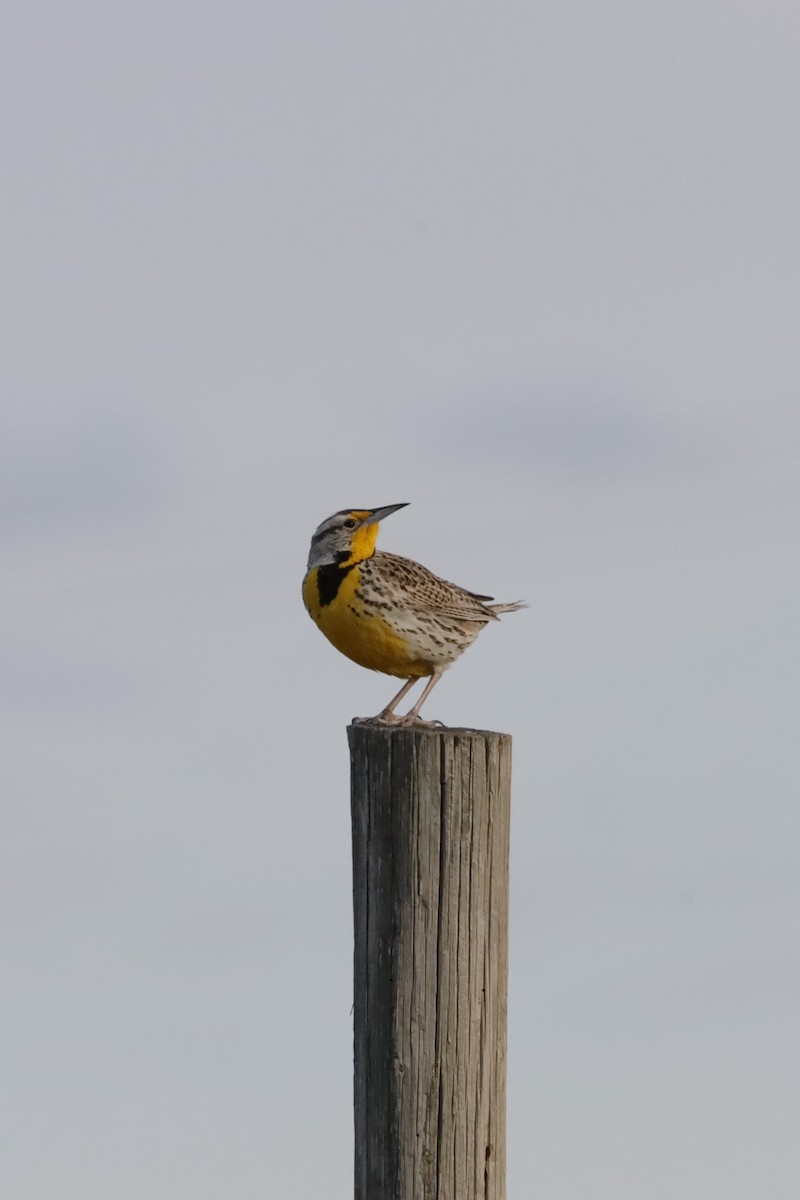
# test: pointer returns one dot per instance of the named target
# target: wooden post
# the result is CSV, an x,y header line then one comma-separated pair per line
x,y
430,811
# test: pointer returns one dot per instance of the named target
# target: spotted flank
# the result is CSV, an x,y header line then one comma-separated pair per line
x,y
389,613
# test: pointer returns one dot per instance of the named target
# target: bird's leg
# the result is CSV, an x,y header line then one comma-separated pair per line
x,y
412,717
388,716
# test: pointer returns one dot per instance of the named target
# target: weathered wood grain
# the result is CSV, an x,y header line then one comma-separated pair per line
x,y
430,814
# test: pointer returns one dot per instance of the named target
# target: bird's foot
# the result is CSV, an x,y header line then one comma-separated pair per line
x,y
383,718
414,719
409,721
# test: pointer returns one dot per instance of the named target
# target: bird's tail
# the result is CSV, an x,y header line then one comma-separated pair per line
x,y
514,606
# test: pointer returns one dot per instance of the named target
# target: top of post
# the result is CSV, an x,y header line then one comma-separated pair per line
x,y
367,729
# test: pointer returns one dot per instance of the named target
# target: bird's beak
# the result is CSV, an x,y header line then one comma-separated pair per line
x,y
377,514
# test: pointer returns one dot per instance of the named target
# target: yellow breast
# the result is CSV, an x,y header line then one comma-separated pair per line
x,y
336,605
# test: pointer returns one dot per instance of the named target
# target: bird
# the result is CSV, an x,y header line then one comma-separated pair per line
x,y
389,613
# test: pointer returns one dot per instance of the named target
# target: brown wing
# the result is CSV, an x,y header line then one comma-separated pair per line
x,y
422,592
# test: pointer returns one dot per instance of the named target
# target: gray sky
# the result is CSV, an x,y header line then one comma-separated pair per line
x,y
535,270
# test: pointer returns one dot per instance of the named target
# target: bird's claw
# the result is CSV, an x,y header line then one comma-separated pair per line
x,y
409,721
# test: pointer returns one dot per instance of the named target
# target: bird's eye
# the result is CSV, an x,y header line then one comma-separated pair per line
x,y
350,523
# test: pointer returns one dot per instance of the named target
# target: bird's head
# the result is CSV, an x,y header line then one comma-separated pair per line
x,y
348,536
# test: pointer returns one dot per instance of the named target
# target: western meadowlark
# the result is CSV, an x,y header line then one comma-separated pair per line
x,y
386,612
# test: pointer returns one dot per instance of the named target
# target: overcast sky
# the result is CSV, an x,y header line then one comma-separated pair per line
x,y
532,268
